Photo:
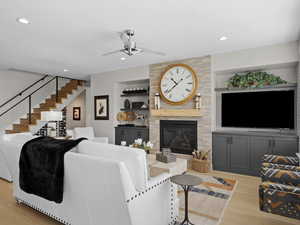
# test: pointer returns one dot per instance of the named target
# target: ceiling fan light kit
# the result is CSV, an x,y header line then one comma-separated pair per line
x,y
129,46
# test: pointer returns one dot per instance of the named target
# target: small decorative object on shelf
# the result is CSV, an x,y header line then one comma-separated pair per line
x,y
198,101
52,132
157,101
144,106
126,104
166,156
137,105
200,161
138,143
254,79
129,91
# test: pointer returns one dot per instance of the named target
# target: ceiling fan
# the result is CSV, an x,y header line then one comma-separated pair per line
x,y
127,37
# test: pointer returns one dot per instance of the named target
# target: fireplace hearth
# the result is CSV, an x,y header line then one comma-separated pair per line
x,y
178,135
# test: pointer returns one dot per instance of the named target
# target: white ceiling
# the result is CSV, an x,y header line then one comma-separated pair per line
x,y
73,34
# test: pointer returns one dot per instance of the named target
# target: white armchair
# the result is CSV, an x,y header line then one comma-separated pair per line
x,y
88,132
108,187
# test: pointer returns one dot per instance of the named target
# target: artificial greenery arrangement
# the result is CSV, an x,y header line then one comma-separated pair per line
x,y
253,79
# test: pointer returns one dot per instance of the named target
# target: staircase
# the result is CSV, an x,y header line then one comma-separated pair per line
x,y
32,121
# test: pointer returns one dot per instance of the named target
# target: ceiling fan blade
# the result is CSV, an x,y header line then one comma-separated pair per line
x,y
111,53
151,51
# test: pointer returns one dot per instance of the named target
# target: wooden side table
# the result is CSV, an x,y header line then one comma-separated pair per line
x,y
186,182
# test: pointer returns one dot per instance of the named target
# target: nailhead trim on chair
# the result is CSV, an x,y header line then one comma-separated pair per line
x,y
19,201
148,189
173,218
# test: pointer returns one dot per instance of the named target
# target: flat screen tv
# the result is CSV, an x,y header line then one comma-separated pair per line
x,y
262,109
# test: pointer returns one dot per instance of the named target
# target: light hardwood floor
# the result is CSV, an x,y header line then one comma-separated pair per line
x,y
242,209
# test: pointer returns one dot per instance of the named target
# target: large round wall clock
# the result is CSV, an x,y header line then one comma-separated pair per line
x,y
178,84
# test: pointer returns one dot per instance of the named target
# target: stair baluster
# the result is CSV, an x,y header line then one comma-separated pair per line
x,y
29,115
56,89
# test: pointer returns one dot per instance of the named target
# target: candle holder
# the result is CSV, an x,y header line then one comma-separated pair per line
x,y
198,101
157,101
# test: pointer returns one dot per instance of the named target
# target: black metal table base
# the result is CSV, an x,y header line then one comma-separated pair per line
x,y
186,182
183,223
186,220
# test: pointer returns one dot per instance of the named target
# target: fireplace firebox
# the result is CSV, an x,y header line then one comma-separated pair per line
x,y
178,135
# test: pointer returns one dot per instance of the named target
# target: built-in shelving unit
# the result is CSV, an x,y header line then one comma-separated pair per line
x,y
134,91
287,71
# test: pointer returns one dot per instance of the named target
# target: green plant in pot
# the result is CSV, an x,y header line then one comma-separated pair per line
x,y
254,79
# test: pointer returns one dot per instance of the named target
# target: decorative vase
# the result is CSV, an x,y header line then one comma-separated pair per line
x,y
127,104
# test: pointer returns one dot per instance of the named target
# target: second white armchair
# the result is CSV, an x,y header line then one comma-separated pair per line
x,y
88,132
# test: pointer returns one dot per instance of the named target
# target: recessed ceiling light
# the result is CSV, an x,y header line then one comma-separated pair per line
x,y
223,38
123,58
23,20
66,70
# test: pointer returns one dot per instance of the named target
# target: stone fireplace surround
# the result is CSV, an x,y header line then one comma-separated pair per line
x,y
202,67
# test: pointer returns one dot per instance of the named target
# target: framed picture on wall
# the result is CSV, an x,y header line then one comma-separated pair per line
x,y
76,113
101,106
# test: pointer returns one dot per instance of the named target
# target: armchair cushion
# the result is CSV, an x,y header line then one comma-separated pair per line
x,y
284,160
280,199
100,139
281,167
134,159
87,132
280,176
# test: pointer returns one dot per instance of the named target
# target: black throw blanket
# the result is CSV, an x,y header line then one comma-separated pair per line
x,y
42,167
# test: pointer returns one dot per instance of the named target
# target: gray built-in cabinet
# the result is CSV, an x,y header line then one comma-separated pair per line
x,y
129,134
241,152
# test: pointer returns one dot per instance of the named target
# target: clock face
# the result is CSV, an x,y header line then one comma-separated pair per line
x,y
178,84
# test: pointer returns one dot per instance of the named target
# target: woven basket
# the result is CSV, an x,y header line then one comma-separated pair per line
x,y
202,166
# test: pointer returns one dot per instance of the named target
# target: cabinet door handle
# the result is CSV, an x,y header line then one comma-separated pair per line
x,y
270,143
229,140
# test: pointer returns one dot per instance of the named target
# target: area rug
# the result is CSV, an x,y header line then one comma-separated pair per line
x,y
208,201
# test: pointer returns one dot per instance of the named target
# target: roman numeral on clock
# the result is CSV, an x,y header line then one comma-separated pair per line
x,y
188,90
